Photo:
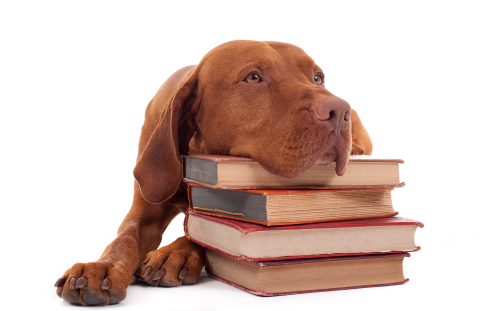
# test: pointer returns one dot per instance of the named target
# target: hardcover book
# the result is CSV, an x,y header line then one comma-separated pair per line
x,y
274,278
229,172
252,242
284,207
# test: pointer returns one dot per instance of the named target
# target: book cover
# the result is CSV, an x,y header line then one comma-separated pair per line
x,y
237,239
229,172
278,278
287,207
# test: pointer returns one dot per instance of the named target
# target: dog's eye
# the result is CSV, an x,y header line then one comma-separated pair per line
x,y
318,79
253,78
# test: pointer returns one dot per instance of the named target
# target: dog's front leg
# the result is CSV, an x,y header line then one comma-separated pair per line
x,y
105,281
176,264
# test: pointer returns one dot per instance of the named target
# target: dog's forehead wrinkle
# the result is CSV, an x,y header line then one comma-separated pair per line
x,y
308,63
264,64
295,57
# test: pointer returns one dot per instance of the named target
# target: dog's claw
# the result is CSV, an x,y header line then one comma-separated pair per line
x,y
72,283
139,269
60,282
147,272
183,273
159,274
106,284
81,282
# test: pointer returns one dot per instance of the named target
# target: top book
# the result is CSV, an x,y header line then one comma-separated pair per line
x,y
229,172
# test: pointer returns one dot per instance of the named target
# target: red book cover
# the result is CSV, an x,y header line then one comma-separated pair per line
x,y
245,228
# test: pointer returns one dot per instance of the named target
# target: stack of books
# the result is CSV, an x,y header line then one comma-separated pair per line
x,y
270,235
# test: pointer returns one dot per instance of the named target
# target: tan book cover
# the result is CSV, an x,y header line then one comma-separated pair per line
x,y
275,278
229,172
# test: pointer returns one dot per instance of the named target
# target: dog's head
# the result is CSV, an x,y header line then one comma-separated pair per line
x,y
264,100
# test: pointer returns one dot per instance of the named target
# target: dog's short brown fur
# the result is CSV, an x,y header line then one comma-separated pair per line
x,y
264,100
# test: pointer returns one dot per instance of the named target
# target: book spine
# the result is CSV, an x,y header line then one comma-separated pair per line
x,y
239,204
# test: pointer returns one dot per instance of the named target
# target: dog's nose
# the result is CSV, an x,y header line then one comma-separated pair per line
x,y
334,110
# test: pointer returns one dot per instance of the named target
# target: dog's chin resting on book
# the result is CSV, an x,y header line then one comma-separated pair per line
x,y
298,149
290,151
293,166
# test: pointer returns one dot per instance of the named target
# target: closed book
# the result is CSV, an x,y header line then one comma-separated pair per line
x,y
230,172
253,242
275,278
286,207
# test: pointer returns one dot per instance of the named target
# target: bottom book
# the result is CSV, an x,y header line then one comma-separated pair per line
x,y
286,277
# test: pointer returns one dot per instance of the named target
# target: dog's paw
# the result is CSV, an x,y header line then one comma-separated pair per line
x,y
176,264
94,283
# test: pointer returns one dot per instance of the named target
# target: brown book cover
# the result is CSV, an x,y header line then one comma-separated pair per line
x,y
277,278
252,242
229,172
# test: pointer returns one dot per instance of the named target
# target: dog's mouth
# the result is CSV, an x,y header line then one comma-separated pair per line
x,y
341,162
300,159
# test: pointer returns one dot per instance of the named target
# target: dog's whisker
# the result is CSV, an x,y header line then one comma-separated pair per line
x,y
267,149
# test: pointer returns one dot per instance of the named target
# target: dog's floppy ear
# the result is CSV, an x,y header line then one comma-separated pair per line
x,y
361,142
159,170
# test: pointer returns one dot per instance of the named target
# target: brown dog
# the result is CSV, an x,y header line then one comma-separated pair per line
x,y
264,100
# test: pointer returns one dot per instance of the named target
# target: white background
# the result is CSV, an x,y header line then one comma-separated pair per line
x,y
75,78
